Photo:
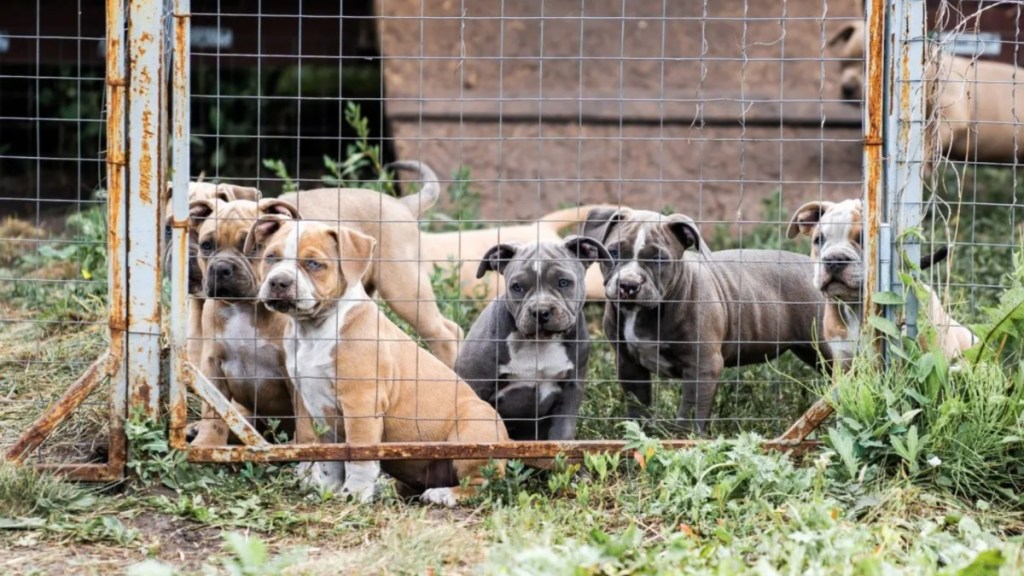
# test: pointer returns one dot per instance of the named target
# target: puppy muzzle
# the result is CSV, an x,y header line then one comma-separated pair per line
x,y
279,293
544,319
631,289
230,277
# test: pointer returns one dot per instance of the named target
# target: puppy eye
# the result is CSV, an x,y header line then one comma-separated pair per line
x,y
314,266
564,283
614,253
272,258
818,240
516,287
206,246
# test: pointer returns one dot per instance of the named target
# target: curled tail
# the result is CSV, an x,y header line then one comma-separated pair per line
x,y
430,190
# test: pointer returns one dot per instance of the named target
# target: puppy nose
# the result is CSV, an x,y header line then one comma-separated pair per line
x,y
629,288
222,272
849,92
281,283
835,265
543,315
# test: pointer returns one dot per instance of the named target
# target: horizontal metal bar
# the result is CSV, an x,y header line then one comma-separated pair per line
x,y
91,472
439,450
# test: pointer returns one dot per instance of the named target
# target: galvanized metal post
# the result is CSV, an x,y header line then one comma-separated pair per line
x,y
145,179
874,122
904,142
180,375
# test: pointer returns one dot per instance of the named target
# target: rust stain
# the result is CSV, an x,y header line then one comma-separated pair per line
x,y
181,27
85,472
873,137
146,158
442,450
60,410
809,422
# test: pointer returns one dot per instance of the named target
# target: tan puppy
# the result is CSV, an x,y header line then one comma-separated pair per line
x,y
396,272
836,230
467,248
357,373
198,191
979,105
243,353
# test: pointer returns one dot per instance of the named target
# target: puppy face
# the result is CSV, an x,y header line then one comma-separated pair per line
x,y
646,251
837,245
544,281
200,191
848,45
308,267
222,228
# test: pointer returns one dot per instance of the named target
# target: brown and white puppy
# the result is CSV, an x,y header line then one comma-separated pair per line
x,y
467,248
243,352
836,232
198,191
676,309
357,374
396,271
978,105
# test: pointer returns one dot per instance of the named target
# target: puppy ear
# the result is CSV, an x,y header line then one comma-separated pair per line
x,y
686,232
355,250
279,207
588,251
497,258
806,218
841,37
601,221
199,210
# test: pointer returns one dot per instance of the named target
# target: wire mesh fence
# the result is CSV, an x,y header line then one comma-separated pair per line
x,y
715,183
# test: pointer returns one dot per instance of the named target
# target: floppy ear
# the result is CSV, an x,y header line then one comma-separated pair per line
x,y
497,258
686,232
355,250
841,37
279,207
806,218
199,210
264,227
588,251
601,221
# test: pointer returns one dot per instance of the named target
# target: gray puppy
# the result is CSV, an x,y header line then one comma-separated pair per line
x,y
688,314
527,352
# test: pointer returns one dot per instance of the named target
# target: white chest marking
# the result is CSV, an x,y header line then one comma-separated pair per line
x,y
534,364
647,352
846,348
310,353
247,355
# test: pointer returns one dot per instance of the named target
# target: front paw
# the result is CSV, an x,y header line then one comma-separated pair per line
x,y
440,496
360,480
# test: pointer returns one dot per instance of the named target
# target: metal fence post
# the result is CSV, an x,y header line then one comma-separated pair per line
x,y
874,122
145,181
904,142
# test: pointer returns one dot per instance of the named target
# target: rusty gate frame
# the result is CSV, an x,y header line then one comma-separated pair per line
x,y
136,92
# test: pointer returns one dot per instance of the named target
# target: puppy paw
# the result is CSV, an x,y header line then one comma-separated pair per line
x,y
322,476
359,492
440,497
360,480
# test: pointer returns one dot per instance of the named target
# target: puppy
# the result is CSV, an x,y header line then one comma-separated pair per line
x,y
836,231
527,353
979,105
198,191
467,248
357,374
677,309
397,272
243,353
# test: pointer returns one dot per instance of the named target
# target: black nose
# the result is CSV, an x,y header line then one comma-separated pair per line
x,y
628,288
835,265
849,92
222,272
281,283
543,315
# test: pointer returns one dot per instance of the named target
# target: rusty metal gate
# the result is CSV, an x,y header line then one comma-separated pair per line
x,y
151,96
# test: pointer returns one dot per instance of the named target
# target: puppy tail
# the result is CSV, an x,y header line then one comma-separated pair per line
x,y
430,191
561,219
929,260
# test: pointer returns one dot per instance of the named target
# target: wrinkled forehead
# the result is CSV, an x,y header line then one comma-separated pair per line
x,y
296,238
542,257
841,221
229,216
637,224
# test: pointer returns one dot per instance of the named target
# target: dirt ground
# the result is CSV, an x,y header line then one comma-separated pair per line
x,y
719,84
